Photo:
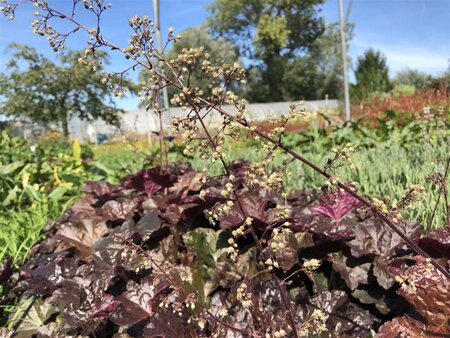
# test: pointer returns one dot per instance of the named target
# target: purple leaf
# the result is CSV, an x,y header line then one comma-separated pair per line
x,y
6,270
402,327
437,243
374,237
335,205
135,304
351,270
99,189
167,325
323,228
149,180
345,319
108,306
428,290
118,210
258,204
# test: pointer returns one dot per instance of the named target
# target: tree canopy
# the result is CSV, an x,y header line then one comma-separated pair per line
x,y
269,33
414,78
319,73
47,92
372,75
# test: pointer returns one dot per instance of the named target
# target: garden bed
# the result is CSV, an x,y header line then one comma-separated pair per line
x,y
155,257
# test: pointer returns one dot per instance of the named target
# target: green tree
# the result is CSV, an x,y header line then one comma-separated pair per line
x,y
442,81
48,92
372,75
319,73
414,78
270,33
221,51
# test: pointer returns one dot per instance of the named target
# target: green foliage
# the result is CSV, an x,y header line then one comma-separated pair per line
x,y
318,73
46,92
413,78
37,182
206,244
22,229
36,318
271,33
294,22
372,75
31,173
403,89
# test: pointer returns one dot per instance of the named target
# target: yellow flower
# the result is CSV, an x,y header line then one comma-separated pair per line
x,y
311,264
56,177
25,179
76,151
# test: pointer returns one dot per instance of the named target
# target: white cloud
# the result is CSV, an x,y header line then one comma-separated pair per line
x,y
399,56
424,60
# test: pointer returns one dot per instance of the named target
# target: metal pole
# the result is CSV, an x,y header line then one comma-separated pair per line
x,y
159,42
349,8
344,61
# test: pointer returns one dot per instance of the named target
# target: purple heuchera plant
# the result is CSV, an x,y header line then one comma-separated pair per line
x,y
89,280
149,180
335,205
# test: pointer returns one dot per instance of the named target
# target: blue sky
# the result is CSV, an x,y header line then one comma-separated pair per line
x,y
410,33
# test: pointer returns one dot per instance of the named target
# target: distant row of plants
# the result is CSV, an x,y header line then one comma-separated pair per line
x,y
392,127
423,104
372,79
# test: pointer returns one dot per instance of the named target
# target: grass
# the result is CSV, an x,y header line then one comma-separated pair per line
x,y
15,238
119,159
19,232
22,229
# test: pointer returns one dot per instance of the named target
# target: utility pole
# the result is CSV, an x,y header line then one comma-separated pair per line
x,y
159,42
344,60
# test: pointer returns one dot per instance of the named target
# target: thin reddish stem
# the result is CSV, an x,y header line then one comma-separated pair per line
x,y
300,158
